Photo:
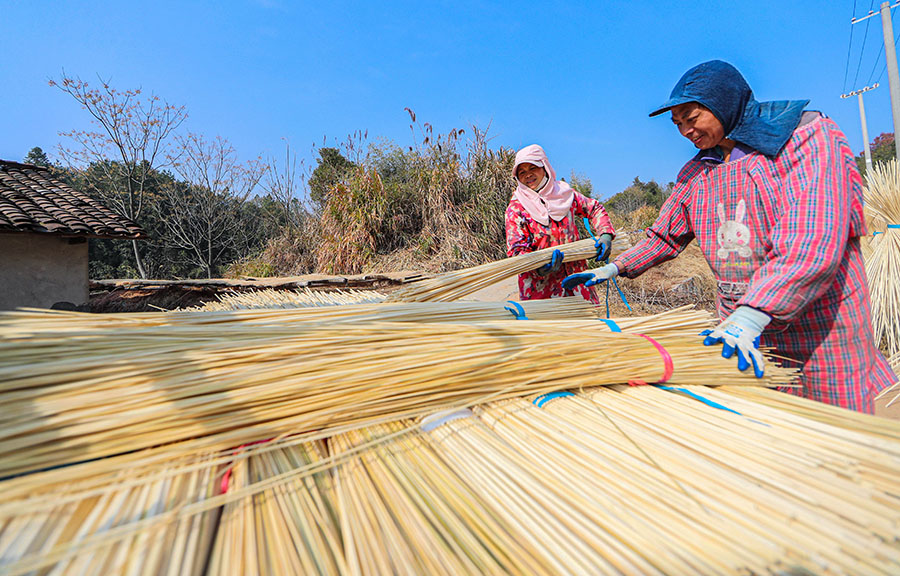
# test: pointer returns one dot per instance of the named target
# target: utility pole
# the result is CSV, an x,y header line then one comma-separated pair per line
x,y
890,54
862,119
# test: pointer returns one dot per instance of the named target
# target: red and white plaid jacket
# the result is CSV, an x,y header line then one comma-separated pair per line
x,y
781,234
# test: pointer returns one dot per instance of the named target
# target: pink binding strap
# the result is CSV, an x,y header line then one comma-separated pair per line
x,y
668,364
226,478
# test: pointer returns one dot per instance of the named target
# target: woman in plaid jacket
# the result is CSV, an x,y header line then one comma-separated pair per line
x,y
775,203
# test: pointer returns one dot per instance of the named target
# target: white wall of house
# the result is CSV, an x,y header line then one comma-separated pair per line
x,y
42,269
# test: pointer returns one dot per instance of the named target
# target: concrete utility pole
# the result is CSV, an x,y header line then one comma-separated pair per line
x,y
862,118
890,54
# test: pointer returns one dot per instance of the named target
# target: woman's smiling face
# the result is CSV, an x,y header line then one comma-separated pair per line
x,y
530,175
698,124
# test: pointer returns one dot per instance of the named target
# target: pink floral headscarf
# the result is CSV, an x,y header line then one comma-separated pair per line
x,y
554,200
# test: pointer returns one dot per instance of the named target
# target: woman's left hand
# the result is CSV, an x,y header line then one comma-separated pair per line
x,y
604,247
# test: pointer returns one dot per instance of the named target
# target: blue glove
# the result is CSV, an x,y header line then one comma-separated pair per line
x,y
603,244
591,277
740,333
556,261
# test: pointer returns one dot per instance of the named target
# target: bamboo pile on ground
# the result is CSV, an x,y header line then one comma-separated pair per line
x,y
459,283
86,394
611,480
270,299
882,197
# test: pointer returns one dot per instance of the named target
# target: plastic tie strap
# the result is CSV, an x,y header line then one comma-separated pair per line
x,y
587,225
613,327
226,478
892,226
544,398
516,310
708,402
668,364
432,421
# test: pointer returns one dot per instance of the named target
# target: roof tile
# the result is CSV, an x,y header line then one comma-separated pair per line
x,y
31,200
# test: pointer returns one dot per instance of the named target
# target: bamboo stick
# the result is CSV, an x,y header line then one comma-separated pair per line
x,y
454,285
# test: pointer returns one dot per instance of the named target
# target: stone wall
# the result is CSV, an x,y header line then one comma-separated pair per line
x,y
40,270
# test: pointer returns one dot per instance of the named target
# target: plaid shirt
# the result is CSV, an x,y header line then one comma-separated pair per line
x,y
524,234
781,234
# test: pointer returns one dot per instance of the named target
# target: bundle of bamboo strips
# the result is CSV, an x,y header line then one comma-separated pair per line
x,y
882,197
30,322
288,299
454,285
612,480
84,394
113,526
34,321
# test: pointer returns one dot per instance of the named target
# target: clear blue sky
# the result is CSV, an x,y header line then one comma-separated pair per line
x,y
577,77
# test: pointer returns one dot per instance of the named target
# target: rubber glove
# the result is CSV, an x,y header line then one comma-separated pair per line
x,y
604,247
556,261
591,277
740,333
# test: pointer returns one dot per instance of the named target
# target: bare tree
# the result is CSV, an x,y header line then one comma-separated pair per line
x,y
127,149
202,214
283,184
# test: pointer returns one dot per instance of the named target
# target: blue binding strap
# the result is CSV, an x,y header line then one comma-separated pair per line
x,y
516,310
587,225
894,226
544,398
613,327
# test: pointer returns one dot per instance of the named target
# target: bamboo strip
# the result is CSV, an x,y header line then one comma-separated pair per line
x,y
454,285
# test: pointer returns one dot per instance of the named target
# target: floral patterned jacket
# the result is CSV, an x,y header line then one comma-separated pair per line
x,y
524,234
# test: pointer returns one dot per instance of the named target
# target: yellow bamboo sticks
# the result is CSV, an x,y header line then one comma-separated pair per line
x,y
454,285
882,197
157,385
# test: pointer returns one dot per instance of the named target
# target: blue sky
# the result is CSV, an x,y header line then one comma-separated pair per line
x,y
576,77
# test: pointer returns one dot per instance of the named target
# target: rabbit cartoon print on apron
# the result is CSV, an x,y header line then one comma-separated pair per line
x,y
733,236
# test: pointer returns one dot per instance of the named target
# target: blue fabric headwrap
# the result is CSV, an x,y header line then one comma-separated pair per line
x,y
717,85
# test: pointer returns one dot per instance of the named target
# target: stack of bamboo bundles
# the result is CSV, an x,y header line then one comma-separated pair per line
x,y
882,197
454,285
289,299
77,392
31,321
609,480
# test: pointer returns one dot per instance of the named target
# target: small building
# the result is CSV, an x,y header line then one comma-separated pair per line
x,y
44,227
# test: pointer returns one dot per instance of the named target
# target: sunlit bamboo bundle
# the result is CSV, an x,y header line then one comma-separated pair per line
x,y
289,299
882,196
403,511
634,481
454,285
80,395
289,529
609,481
25,322
116,526
30,322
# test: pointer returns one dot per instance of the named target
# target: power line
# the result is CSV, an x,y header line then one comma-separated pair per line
x,y
862,50
849,46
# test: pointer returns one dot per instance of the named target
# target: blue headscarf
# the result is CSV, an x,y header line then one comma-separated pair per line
x,y
717,85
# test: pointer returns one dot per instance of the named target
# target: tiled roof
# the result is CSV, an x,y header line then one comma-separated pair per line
x,y
31,200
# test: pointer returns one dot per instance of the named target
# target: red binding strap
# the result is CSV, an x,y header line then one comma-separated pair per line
x,y
226,478
668,365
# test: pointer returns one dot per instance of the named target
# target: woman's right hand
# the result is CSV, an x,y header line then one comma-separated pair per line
x,y
591,277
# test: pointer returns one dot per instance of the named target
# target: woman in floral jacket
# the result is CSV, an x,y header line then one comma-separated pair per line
x,y
542,213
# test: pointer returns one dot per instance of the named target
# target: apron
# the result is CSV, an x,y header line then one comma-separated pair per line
x,y
732,214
